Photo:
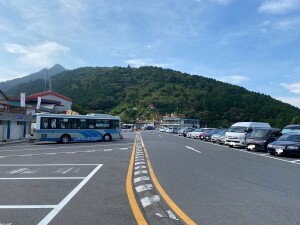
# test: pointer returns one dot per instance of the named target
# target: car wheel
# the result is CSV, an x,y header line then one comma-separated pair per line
x,y
65,139
106,137
272,153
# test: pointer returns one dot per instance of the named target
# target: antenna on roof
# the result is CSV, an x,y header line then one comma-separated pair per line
x,y
50,86
46,81
47,78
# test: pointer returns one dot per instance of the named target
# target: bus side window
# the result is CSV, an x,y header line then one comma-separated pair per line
x,y
91,124
63,123
44,123
73,123
53,123
83,124
114,124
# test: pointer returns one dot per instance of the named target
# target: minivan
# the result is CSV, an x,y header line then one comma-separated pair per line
x,y
236,134
261,137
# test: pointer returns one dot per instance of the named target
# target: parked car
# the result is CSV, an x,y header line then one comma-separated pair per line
x,y
187,130
214,137
180,132
261,137
162,129
209,134
295,128
171,130
236,134
221,138
287,144
204,132
195,133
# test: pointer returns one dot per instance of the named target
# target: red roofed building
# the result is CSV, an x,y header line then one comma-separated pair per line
x,y
50,100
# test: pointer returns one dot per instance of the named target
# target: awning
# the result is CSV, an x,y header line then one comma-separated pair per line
x,y
48,106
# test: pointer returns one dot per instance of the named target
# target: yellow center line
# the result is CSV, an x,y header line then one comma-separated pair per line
x,y
129,188
163,194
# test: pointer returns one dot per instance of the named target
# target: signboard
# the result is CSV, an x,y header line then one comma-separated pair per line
x,y
38,105
22,99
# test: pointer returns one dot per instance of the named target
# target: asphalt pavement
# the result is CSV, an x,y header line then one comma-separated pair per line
x,y
76,183
87,183
216,184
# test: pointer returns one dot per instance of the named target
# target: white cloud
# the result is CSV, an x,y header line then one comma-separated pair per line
x,y
144,62
233,79
293,87
290,100
279,6
41,55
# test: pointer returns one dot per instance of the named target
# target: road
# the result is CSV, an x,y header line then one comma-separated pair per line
x,y
215,184
183,181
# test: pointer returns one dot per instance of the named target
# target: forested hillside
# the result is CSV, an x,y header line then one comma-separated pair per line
x,y
128,92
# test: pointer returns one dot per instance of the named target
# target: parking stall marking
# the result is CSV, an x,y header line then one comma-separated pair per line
x,y
42,178
55,208
57,153
65,147
65,201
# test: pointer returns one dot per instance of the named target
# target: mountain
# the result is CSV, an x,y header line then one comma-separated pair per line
x,y
150,92
6,85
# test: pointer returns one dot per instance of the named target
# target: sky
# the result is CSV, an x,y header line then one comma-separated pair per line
x,y
251,43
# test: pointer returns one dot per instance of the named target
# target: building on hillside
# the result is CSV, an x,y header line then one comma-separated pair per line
x,y
14,123
175,121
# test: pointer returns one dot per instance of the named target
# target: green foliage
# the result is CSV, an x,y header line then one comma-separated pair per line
x,y
128,92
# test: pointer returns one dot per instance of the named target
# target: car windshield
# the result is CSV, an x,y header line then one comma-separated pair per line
x,y
295,138
291,129
197,130
237,129
259,134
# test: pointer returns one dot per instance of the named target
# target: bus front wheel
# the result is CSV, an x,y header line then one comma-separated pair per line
x,y
65,139
106,137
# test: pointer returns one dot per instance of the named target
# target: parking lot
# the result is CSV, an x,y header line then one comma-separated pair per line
x,y
77,183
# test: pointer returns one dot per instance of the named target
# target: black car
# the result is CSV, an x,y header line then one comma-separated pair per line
x,y
210,133
261,137
295,128
287,144
190,129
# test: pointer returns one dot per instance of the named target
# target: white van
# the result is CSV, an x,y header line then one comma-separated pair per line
x,y
236,134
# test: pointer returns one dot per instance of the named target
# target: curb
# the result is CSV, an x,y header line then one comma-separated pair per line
x,y
12,142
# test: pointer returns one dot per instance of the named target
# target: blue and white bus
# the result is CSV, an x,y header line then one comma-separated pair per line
x,y
65,128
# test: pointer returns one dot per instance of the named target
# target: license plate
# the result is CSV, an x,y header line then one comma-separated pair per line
x,y
278,151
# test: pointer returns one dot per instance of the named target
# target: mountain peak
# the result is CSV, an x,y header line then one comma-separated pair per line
x,y
57,68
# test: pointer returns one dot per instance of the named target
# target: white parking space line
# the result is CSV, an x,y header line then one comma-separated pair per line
x,y
65,147
65,201
42,178
57,153
27,207
49,164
